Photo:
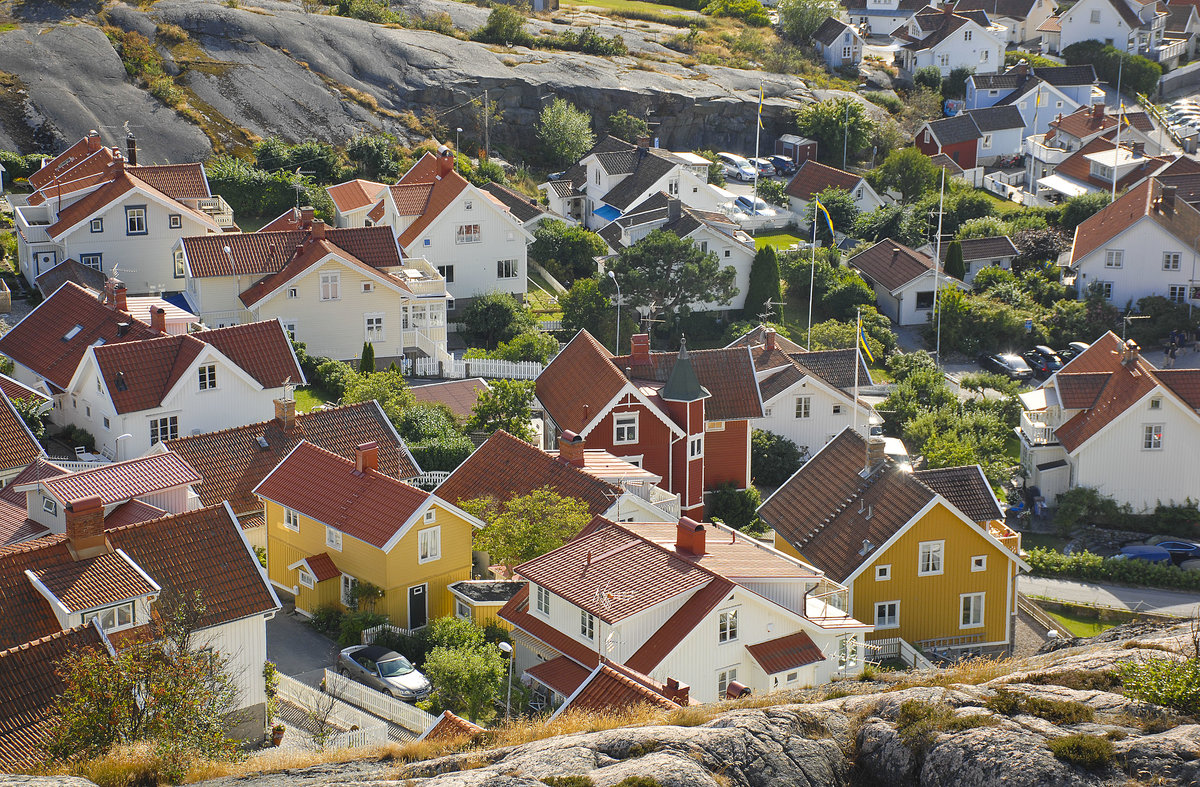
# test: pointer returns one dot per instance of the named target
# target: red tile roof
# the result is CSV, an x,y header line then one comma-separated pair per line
x,y
369,506
612,687
580,381
232,462
177,181
444,190
1184,382
313,252
288,221
131,513
1079,168
967,488
561,674
1082,123
121,481
459,395
322,567
1078,391
39,469
121,184
814,177
728,552
727,373
785,653
260,253
411,199
95,582
262,349
63,162
18,446
39,342
505,467
354,194
891,264
88,173
1140,202
449,727
29,686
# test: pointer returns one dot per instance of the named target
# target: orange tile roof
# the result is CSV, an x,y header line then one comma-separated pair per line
x,y
232,462
93,171
369,506
785,653
121,481
561,674
516,611
323,567
1079,168
814,177
580,381
505,467
1083,123
41,468
1184,382
95,582
449,727
131,513
288,221
262,349
411,199
64,162
177,181
1139,202
376,213
354,194
39,342
18,446
459,395
29,686
727,552
612,687
261,253
313,252
444,190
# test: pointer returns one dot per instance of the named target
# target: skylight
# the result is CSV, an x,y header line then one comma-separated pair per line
x,y
71,334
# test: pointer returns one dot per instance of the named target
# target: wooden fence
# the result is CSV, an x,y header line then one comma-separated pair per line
x,y
370,731
379,704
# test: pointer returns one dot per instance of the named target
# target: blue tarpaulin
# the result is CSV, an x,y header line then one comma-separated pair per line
x,y
608,213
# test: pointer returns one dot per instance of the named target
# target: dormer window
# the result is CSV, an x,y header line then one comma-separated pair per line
x,y
112,618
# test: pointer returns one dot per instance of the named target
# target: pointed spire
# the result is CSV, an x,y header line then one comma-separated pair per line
x,y
682,385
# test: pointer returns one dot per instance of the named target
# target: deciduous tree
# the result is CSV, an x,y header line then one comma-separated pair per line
x,y
568,252
908,171
799,19
495,317
526,526
388,387
834,122
565,132
672,273
508,405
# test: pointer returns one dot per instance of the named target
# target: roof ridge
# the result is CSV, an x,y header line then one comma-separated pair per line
x,y
180,515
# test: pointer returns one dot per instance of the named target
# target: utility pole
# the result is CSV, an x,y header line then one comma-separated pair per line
x,y
487,121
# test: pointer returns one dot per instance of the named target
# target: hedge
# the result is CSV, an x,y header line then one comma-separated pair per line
x,y
1093,567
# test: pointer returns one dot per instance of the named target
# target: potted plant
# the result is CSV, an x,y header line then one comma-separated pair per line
x,y
277,734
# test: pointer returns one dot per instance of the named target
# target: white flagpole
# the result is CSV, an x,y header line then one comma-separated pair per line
x,y
937,271
812,273
858,340
757,136
1117,149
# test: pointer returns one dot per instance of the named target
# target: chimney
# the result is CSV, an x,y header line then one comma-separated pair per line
x,y
122,329
118,163
769,339
306,217
689,537
875,452
131,149
639,344
114,295
318,230
285,413
948,8
674,209
158,319
1168,197
1131,353
570,449
93,141
1021,68
895,253
85,528
643,142
677,692
1097,111
445,164
366,457
1139,148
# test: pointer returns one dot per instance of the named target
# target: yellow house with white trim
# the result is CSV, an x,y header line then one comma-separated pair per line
x,y
334,525
926,555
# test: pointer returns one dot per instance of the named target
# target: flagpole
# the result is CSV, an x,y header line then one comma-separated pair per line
x,y
812,273
937,271
858,339
1117,149
757,136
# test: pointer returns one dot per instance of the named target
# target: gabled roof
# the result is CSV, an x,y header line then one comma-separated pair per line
x,y
18,446
62,164
727,373
942,161
121,481
951,131
442,190
121,184
524,209
1078,166
177,181
259,253
786,653
814,177
650,166
449,727
95,582
612,687
411,199
578,382
367,505
1083,122
232,462
984,248
936,26
199,550
459,395
140,375
997,118
70,270
756,336
835,367
14,389
29,686
47,343
288,221
685,619
831,30
131,513
891,264
505,467
1063,76
355,194
860,6
1013,9
1142,201
967,488
312,253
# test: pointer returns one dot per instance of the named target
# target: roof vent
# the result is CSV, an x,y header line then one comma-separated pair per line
x,y
262,442
867,547
122,328
120,381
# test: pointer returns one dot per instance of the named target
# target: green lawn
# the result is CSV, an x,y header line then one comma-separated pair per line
x,y
1003,206
1079,625
1012,448
540,302
307,399
1043,540
780,240
629,5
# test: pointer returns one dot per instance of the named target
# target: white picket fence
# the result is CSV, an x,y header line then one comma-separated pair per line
x,y
430,479
477,367
379,704
369,635
371,731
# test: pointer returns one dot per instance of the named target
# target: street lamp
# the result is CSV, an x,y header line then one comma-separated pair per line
x,y
507,650
457,131
117,449
612,275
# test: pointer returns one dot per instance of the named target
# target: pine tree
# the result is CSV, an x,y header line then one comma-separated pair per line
x,y
764,286
367,364
954,261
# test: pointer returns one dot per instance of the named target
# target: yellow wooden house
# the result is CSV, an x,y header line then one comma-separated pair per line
x,y
334,525
926,555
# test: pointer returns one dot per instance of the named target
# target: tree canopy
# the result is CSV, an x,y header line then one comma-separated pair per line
x,y
565,132
672,273
799,19
495,317
908,171
834,121
508,405
526,526
568,251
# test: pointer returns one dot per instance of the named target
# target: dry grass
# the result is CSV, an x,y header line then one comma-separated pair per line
x,y
276,760
971,672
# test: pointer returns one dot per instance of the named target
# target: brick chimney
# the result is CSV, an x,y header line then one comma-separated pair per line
x,y
1021,68
1138,148
118,163
285,413
93,141
306,217
131,149
689,537
114,295
674,209
158,319
445,164
639,345
1168,197
875,451
366,457
677,692
1097,111
318,230
85,528
570,449
769,339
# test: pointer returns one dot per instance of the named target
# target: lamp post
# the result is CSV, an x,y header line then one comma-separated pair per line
x,y
457,131
117,448
612,275
507,650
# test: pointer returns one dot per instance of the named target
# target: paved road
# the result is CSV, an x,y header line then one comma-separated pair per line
x,y
1168,602
297,649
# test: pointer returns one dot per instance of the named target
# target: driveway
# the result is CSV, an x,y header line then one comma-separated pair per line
x,y
297,649
1166,602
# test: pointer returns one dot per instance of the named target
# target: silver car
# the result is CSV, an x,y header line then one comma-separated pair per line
x,y
385,670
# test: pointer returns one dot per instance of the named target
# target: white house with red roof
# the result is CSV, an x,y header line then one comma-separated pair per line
x,y
701,609
352,201
1111,421
133,395
94,206
683,416
470,236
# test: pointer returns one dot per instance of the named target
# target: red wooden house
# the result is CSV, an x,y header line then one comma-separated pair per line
x,y
958,137
684,416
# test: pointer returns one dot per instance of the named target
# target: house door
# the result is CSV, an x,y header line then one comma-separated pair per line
x,y
418,611
45,261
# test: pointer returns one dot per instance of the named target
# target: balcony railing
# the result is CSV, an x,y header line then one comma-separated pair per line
x,y
1167,50
217,209
667,502
1036,431
1010,538
1035,147
32,221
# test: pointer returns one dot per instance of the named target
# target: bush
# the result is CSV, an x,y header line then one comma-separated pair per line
x,y
77,436
1137,75
751,12
414,647
1081,680
919,723
355,623
888,101
494,318
568,781
1090,566
333,377
1164,681
735,507
929,76
1011,703
327,620
773,458
1086,751
446,453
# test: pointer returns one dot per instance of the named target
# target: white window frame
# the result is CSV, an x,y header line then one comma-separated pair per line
x,y
164,428
291,519
587,625
1114,258
1152,435
331,285
1095,17
180,271
115,609
847,652
803,407
429,544
97,225
508,269
975,610
725,676
979,563
333,538
348,584
894,617
696,447
727,626
931,548
175,221
714,426
293,292
625,433
883,573
370,333
1171,260
1156,403
50,505
306,579
467,233
1177,293
543,601
431,516
1106,289
207,377
87,259
462,609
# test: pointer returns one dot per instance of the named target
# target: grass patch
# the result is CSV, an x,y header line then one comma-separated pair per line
x,y
1002,207
1086,751
307,399
919,723
971,672
634,6
782,241
1080,626
1080,680
1043,540
1011,703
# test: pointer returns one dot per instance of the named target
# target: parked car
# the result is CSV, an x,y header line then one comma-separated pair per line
x,y
894,448
749,205
384,670
1180,550
1073,349
736,167
765,168
783,165
1010,365
1043,361
1151,554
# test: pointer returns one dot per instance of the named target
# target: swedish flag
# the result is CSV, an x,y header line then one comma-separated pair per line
x,y
760,103
862,340
823,211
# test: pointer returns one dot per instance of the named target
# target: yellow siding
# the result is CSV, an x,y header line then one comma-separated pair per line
x,y
488,615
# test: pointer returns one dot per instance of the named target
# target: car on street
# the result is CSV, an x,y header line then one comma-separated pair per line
x,y
384,670
765,168
736,167
1073,349
1043,361
1010,365
893,448
783,165
1150,554
749,205
1180,550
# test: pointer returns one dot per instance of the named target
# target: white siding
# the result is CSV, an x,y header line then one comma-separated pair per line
x,y
1141,273
244,644
820,425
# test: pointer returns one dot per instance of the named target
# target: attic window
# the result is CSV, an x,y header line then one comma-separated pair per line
x,y
71,334
1156,404
469,205
120,382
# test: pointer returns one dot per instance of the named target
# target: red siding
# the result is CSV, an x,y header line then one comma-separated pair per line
x,y
726,455
926,143
962,153
654,439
